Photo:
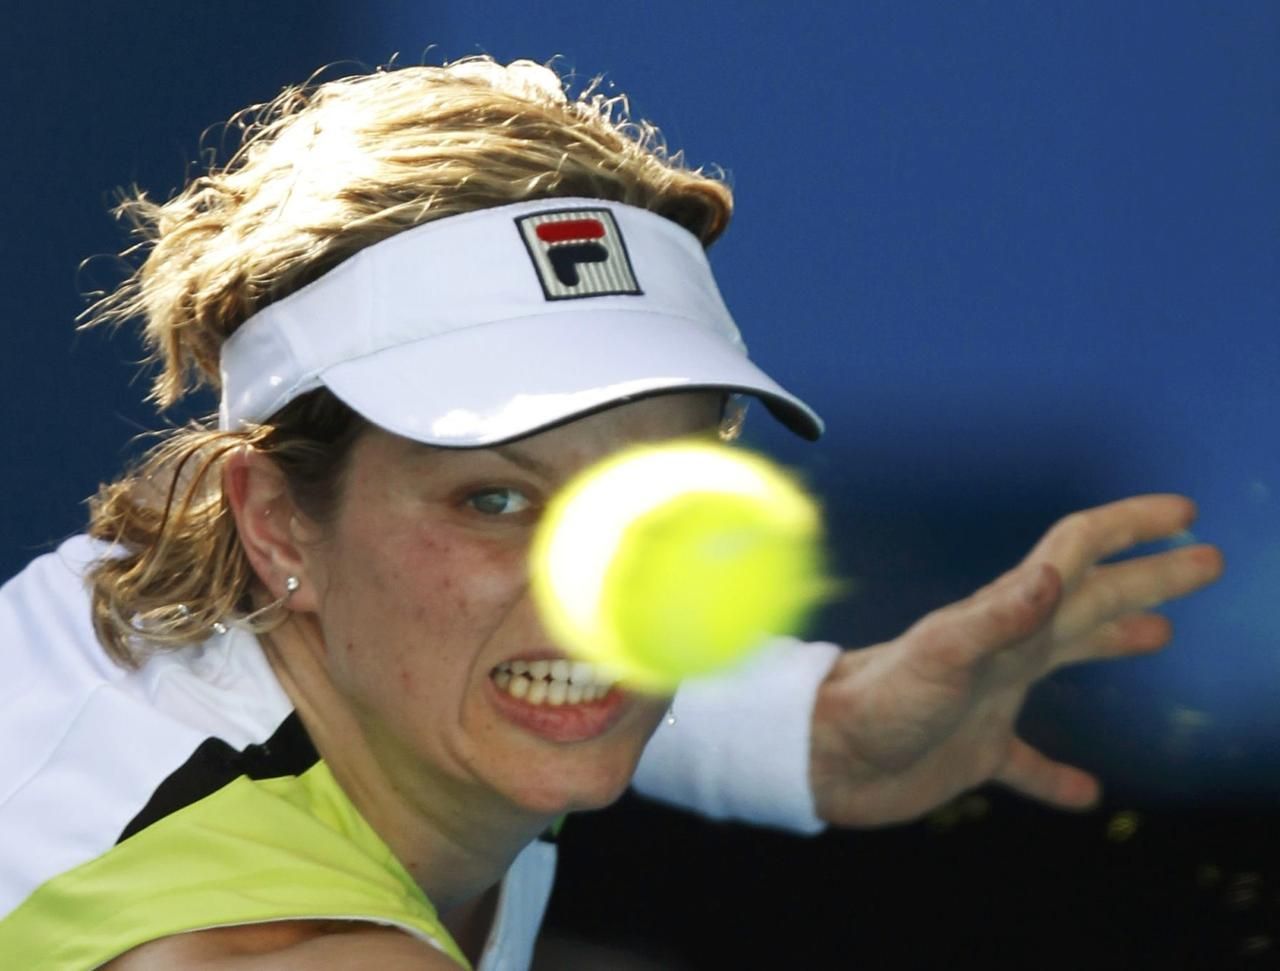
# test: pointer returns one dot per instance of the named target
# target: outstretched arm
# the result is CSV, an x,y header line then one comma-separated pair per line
x,y
806,734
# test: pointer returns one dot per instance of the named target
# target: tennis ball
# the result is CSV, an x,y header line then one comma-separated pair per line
x,y
670,561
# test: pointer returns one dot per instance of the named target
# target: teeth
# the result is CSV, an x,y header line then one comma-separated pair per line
x,y
553,682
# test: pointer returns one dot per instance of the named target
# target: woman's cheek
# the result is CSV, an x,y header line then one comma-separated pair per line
x,y
480,578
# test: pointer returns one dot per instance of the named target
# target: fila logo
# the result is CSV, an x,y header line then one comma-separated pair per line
x,y
578,253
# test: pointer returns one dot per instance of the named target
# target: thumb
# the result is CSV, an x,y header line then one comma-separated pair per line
x,y
1034,774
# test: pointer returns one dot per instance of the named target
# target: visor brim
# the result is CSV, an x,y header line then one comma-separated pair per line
x,y
492,383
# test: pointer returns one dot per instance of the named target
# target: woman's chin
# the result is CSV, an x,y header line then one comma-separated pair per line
x,y
566,794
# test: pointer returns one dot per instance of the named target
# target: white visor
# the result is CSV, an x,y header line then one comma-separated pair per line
x,y
484,327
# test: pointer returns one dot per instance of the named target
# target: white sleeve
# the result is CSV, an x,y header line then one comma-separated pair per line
x,y
739,748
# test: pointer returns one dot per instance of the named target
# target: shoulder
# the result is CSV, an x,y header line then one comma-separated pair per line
x,y
284,945
45,611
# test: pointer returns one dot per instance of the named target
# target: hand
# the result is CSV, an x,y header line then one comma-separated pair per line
x,y
902,727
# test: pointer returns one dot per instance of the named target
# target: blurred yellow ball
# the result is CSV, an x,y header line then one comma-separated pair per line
x,y
675,560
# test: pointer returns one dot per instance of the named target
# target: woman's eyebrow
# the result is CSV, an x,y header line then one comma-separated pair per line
x,y
517,456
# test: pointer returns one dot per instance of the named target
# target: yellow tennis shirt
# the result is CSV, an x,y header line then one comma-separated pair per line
x,y
183,795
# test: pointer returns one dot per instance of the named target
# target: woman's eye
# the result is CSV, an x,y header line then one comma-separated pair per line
x,y
499,502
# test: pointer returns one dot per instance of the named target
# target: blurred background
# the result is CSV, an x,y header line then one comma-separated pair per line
x,y
1024,258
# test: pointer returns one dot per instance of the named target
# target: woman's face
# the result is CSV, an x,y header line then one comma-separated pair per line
x,y
425,614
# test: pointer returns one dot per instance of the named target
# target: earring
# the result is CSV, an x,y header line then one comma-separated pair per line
x,y
291,585
671,716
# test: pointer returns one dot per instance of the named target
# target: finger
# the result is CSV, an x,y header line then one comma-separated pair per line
x,y
1081,539
1148,581
1035,775
1137,633
957,637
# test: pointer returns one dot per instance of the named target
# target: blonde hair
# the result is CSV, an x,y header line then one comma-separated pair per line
x,y
321,172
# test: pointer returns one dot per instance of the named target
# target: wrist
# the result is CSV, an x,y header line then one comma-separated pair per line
x,y
842,713
740,746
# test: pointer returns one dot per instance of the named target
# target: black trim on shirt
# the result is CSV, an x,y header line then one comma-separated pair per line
x,y
214,764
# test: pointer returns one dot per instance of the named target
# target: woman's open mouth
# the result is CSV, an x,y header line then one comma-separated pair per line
x,y
558,699
552,682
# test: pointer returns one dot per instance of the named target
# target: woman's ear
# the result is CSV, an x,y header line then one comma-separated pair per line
x,y
270,526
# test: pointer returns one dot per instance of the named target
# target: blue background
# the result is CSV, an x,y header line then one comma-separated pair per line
x,y
1023,257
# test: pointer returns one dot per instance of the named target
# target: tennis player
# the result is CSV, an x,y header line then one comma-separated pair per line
x,y
288,703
